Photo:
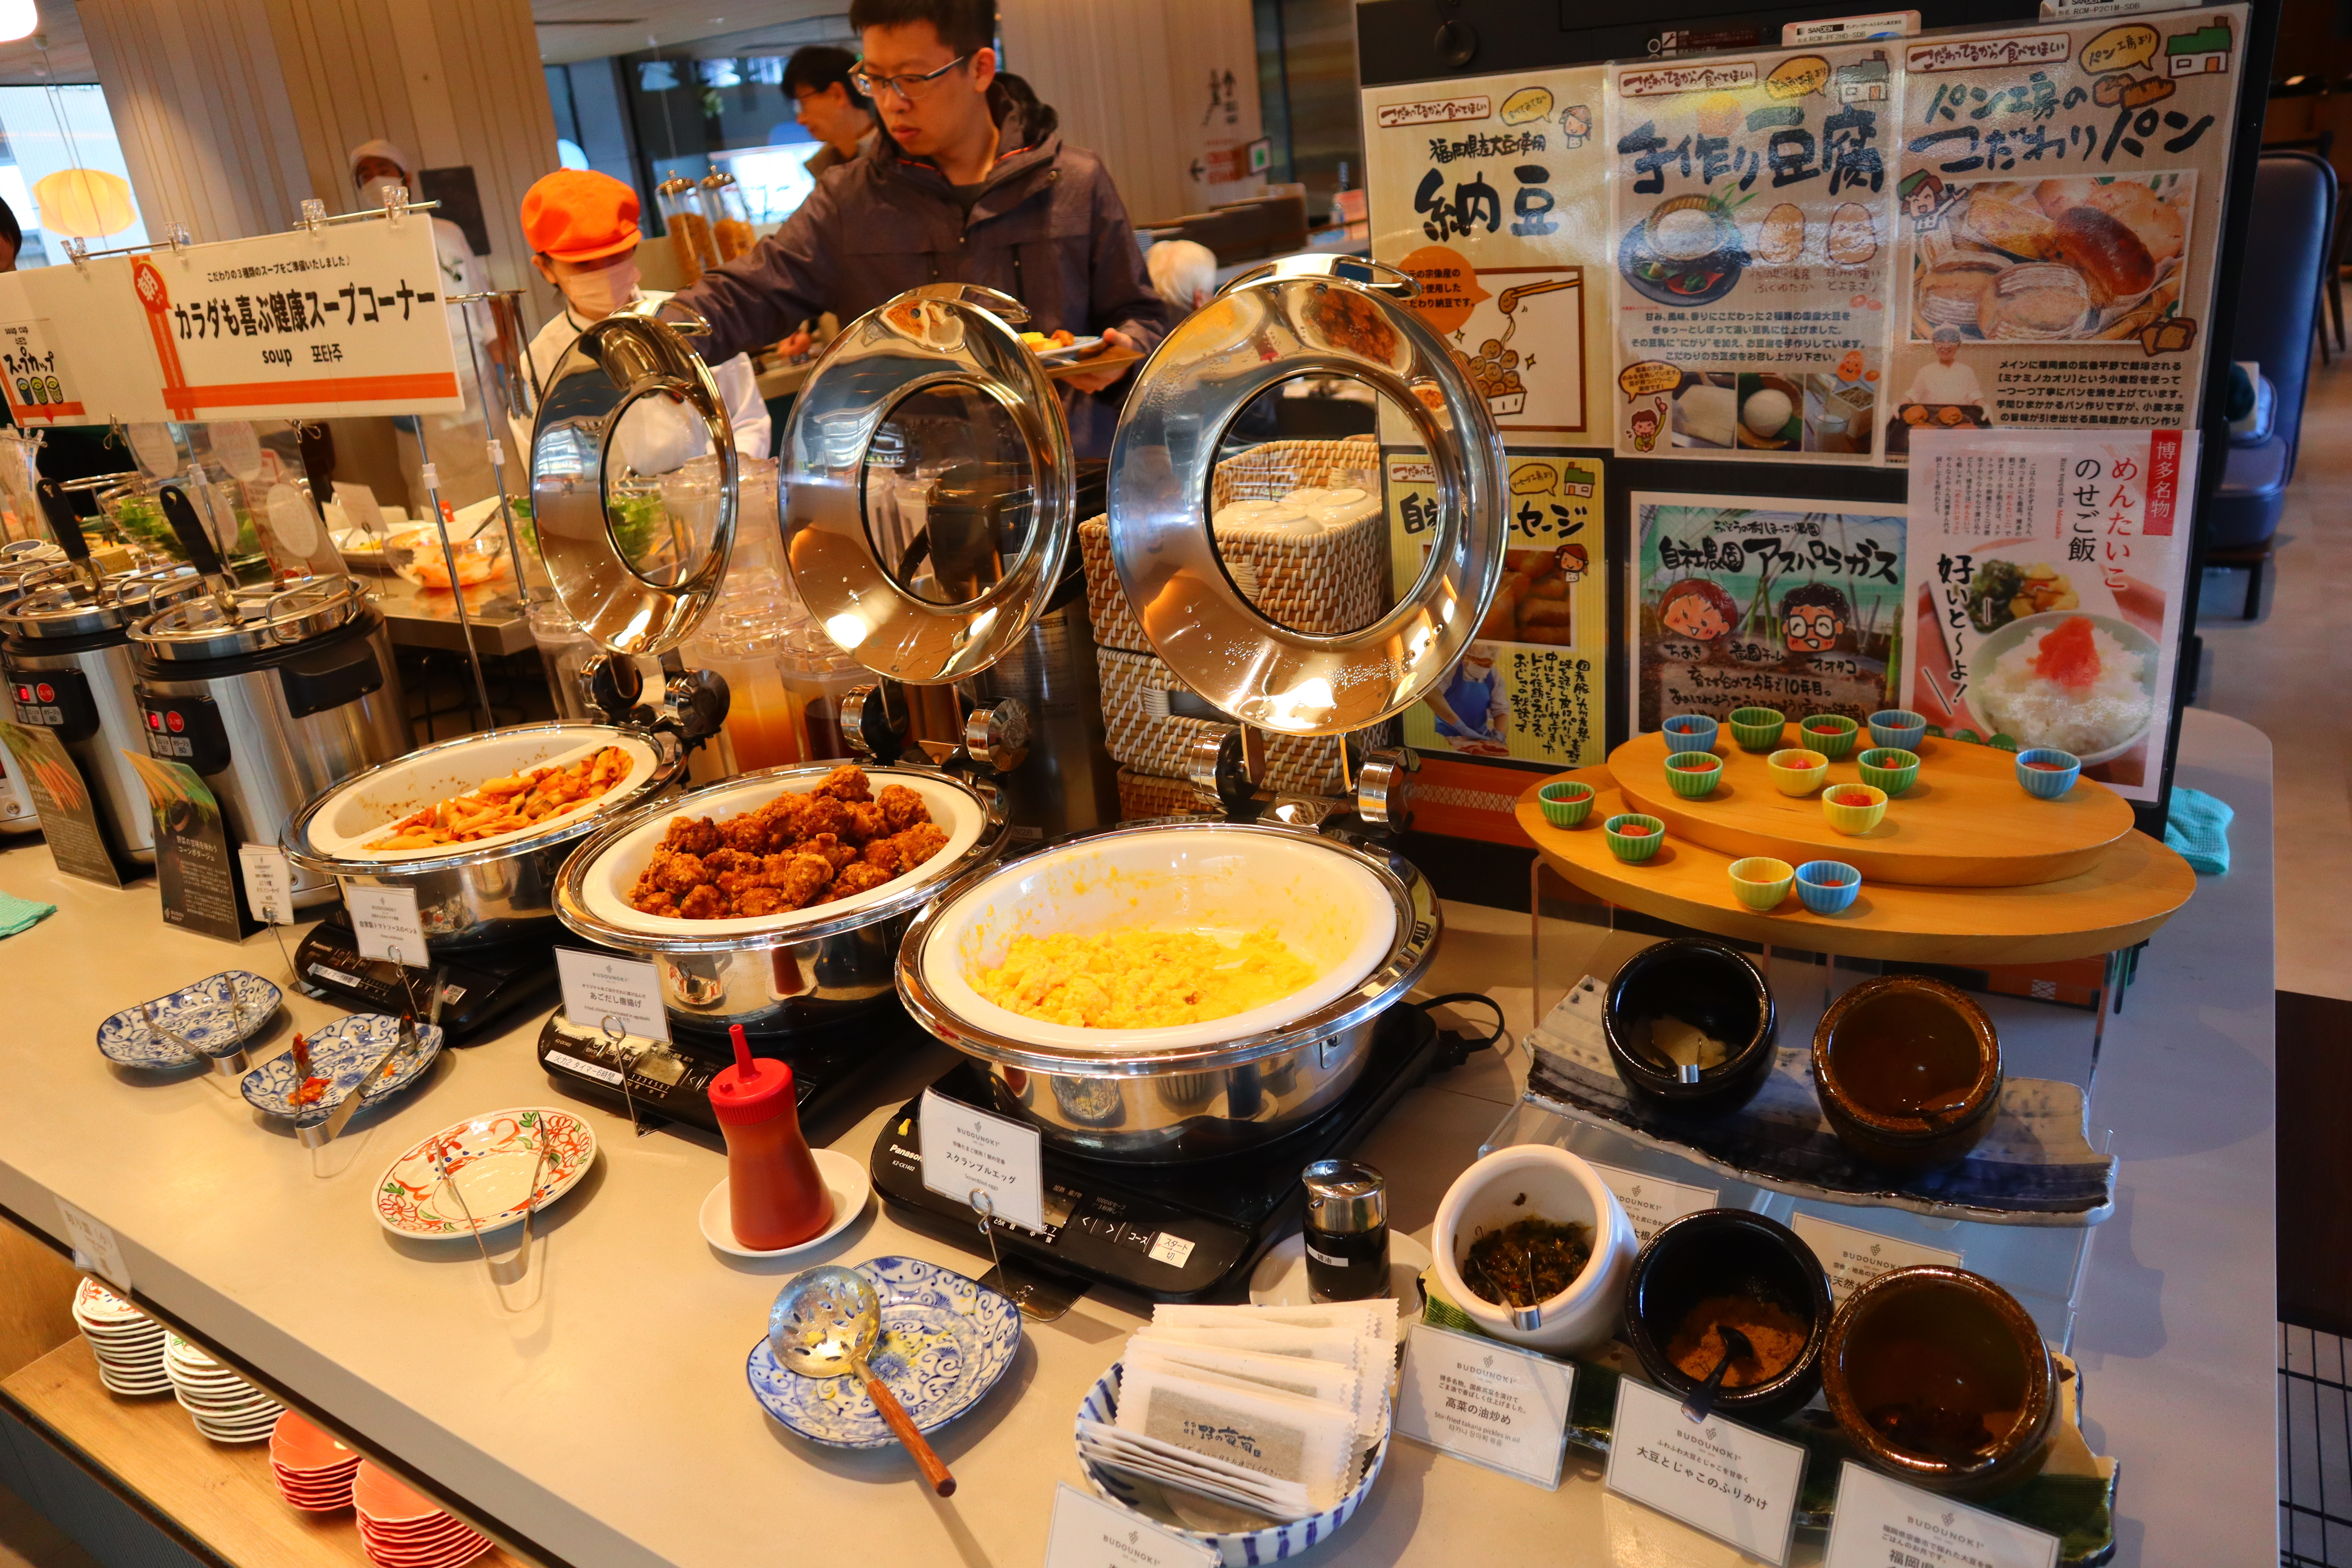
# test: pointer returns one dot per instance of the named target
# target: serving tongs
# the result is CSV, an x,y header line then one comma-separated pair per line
x,y
319,1127
230,1063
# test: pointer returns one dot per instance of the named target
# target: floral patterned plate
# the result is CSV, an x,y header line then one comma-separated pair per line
x,y
945,1341
342,1051
491,1158
206,1014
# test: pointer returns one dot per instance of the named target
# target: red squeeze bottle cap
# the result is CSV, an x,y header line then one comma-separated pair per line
x,y
754,1090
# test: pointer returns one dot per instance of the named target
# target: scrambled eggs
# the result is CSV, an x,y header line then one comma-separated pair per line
x,y
1140,979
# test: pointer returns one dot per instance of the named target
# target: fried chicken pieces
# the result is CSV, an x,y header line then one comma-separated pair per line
x,y
840,838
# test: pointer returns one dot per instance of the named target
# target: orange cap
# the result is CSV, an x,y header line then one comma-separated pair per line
x,y
578,214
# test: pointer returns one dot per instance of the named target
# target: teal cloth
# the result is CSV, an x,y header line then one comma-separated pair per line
x,y
21,914
2198,827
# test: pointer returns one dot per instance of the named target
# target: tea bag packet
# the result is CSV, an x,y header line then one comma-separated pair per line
x,y
1139,1455
1372,1322
1303,1375
1256,1429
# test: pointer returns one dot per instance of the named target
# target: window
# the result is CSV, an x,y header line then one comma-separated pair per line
x,y
45,129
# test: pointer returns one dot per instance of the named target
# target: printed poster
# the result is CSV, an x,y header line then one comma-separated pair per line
x,y
1489,191
61,798
1749,602
2047,571
1530,684
2060,189
194,868
1751,206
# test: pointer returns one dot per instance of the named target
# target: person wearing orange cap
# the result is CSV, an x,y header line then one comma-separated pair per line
x,y
581,228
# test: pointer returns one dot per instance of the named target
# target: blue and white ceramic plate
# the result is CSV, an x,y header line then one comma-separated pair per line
x,y
201,1015
945,1341
1275,1544
342,1051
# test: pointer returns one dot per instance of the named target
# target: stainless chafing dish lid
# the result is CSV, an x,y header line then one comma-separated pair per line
x,y
65,606
257,619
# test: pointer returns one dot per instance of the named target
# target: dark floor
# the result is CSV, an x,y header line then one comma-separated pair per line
x,y
2315,1287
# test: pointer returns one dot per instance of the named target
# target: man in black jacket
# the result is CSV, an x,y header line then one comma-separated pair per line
x,y
970,183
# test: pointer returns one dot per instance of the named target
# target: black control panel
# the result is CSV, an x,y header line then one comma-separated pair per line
x,y
57,699
186,730
478,990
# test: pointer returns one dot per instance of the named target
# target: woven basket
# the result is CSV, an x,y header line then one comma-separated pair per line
x,y
1146,794
1157,744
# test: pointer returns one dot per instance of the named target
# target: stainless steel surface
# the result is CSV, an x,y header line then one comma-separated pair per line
x,y
1190,1102
776,990
427,618
476,896
1345,1196
117,793
577,479
1066,782
254,620
1383,785
941,335
1308,315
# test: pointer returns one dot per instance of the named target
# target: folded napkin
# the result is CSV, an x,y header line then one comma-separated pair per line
x,y
22,914
2197,828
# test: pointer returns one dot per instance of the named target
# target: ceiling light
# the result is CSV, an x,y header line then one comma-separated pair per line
x,y
18,19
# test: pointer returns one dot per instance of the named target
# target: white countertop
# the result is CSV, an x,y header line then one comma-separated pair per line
x,y
608,1422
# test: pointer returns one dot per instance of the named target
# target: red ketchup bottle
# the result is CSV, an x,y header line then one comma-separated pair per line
x,y
775,1196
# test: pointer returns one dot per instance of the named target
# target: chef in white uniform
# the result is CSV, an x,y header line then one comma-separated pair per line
x,y
581,228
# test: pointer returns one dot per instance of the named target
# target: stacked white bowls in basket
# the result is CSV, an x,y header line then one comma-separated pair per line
x,y
402,1529
226,1407
314,1471
128,1343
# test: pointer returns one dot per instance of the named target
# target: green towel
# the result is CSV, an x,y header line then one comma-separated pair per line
x,y
21,914
2198,827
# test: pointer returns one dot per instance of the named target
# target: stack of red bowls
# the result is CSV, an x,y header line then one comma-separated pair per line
x,y
402,1529
314,1471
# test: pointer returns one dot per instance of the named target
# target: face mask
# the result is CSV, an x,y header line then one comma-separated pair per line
x,y
598,294
372,194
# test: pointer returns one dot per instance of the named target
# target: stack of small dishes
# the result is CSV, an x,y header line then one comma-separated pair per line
x,y
402,1529
314,1471
226,1407
128,1343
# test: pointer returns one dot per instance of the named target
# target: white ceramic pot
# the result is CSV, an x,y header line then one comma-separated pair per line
x,y
1558,1187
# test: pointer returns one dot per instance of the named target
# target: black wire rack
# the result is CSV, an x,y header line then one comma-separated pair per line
x,y
2315,1450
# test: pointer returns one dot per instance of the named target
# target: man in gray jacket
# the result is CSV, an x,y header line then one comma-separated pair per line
x,y
969,183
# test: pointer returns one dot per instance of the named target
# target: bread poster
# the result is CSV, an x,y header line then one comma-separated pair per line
x,y
2047,573
1744,602
2060,190
1531,685
1751,204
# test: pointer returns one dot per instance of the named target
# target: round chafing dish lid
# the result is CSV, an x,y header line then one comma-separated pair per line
x,y
65,606
257,619
935,339
633,483
1306,315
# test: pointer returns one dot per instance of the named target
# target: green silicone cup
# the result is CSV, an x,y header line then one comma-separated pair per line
x,y
1694,784
1565,805
1834,744
1758,729
1887,768
1632,849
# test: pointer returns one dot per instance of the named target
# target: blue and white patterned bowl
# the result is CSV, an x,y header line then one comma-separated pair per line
x,y
945,1341
199,1013
342,1051
1275,1544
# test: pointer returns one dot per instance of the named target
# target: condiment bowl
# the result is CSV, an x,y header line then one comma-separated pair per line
x,y
1694,774
1798,771
1932,1338
1758,729
1850,820
2046,773
1828,887
1536,1180
1634,847
1889,768
1897,727
1710,986
1690,733
1830,734
1761,882
1565,803
1735,1253
1908,1070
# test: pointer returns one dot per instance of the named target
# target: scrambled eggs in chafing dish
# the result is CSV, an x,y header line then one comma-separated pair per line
x,y
1141,979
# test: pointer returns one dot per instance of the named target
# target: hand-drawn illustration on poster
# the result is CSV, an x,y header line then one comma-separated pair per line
x,y
2060,188
2047,569
1755,602
1751,205
1530,685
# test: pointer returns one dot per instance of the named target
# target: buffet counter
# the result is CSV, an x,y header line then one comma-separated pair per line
x,y
608,1422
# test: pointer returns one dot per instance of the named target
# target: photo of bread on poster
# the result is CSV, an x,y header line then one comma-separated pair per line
x,y
1751,205
2060,190
1748,602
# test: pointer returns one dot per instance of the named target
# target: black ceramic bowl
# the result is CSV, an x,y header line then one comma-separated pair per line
x,y
1705,983
1727,1252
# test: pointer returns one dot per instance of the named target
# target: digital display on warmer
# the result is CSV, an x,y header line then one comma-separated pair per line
x,y
659,1066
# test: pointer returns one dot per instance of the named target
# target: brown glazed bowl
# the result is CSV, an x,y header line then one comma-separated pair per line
x,y
1908,1070
1921,1359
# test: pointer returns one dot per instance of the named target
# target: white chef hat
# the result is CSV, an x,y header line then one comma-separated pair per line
x,y
379,148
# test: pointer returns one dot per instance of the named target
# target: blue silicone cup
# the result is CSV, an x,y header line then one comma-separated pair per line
x,y
1897,727
1826,887
1690,733
2043,785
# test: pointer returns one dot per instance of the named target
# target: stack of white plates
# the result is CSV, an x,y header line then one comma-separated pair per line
x,y
226,1407
314,1471
128,1343
402,1529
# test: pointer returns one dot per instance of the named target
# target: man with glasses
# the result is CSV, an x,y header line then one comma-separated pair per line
x,y
969,181
829,106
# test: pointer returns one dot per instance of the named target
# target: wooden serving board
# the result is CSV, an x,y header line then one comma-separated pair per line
x,y
1965,824
2134,888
